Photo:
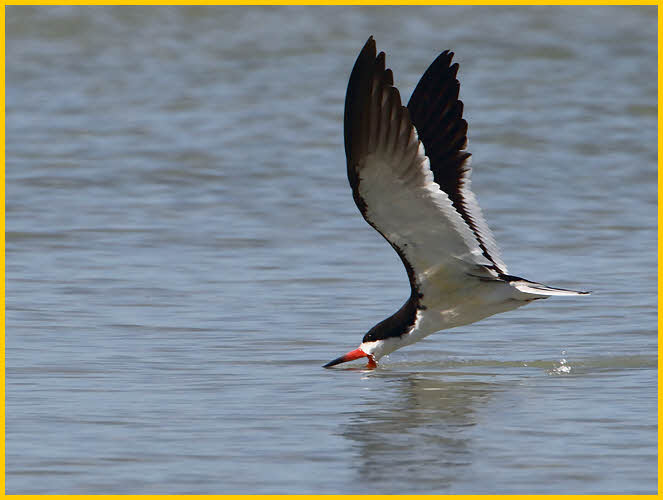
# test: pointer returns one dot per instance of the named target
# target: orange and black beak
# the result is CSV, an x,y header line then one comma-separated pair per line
x,y
351,356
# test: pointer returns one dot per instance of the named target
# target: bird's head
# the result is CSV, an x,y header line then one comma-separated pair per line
x,y
365,350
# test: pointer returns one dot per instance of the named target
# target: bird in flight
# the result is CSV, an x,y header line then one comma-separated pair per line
x,y
409,170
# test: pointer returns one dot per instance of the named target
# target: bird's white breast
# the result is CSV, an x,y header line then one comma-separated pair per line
x,y
442,308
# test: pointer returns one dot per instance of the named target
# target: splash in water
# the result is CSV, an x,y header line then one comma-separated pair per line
x,y
562,368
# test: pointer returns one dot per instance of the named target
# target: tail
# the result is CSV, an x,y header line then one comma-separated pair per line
x,y
542,291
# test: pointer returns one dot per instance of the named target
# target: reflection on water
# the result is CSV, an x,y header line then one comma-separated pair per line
x,y
422,429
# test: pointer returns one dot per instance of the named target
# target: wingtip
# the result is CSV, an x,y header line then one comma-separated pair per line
x,y
368,51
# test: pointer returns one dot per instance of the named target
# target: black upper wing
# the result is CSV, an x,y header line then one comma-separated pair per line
x,y
437,114
393,185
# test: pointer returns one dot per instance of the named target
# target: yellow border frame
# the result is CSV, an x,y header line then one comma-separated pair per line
x,y
319,2
658,213
2,287
340,2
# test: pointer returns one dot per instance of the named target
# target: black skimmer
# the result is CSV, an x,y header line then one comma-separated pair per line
x,y
410,176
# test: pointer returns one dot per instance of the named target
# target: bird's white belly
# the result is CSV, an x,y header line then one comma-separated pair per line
x,y
442,308
446,308
449,309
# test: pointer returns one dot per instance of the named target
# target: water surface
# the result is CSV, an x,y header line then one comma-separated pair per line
x,y
183,253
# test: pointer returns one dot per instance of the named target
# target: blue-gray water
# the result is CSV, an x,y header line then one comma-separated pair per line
x,y
183,253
